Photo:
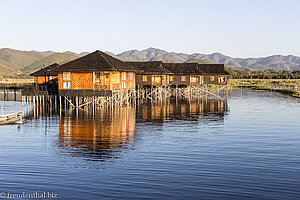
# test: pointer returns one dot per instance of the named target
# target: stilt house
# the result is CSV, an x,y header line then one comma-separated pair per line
x,y
46,74
214,73
152,73
185,73
95,74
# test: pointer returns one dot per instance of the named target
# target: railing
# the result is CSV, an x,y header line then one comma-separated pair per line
x,y
101,87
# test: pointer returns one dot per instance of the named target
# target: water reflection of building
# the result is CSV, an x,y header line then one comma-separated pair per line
x,y
185,110
104,133
97,135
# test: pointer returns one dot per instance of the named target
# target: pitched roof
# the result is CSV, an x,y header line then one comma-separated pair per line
x,y
216,69
184,68
47,71
96,61
150,67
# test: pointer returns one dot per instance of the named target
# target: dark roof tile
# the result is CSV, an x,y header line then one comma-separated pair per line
x,y
150,67
96,61
47,71
213,69
183,68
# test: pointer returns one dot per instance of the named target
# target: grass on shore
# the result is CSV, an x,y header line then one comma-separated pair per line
x,y
254,82
284,86
290,92
16,81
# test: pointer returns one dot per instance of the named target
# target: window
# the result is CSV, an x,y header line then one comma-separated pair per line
x,y
123,75
67,85
98,76
194,79
131,76
124,85
67,75
144,78
131,84
182,78
156,79
222,79
171,78
212,78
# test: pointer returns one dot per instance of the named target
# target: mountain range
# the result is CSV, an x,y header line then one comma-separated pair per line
x,y
15,63
276,62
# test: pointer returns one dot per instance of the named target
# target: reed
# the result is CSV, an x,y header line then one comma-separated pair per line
x,y
290,92
284,86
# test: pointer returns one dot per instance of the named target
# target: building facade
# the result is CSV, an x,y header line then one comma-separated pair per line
x,y
95,74
152,73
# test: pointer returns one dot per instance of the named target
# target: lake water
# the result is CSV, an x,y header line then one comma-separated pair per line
x,y
244,147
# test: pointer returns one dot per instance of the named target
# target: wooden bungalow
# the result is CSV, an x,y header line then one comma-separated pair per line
x,y
95,74
185,73
214,73
46,74
152,73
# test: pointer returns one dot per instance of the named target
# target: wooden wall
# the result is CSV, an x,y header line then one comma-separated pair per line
x,y
196,80
43,79
87,81
82,80
177,80
149,81
217,79
79,81
139,80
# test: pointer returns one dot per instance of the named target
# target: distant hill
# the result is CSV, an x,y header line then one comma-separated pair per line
x,y
7,69
151,54
277,62
45,53
19,58
199,61
13,62
59,58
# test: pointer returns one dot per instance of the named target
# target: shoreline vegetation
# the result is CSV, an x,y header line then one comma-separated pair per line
x,y
284,86
289,87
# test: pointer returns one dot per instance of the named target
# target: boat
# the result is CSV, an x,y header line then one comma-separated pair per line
x,y
11,118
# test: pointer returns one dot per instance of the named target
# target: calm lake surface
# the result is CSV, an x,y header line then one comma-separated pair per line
x,y
244,147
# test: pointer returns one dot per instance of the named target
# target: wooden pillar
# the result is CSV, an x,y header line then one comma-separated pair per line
x,y
65,104
60,105
15,95
77,101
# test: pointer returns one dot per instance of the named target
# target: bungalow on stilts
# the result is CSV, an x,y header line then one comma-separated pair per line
x,y
45,80
184,74
152,81
214,74
96,78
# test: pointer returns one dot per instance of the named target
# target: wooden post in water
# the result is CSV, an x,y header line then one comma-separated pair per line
x,y
15,95
65,104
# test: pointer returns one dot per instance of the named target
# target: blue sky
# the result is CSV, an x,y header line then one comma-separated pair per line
x,y
244,28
